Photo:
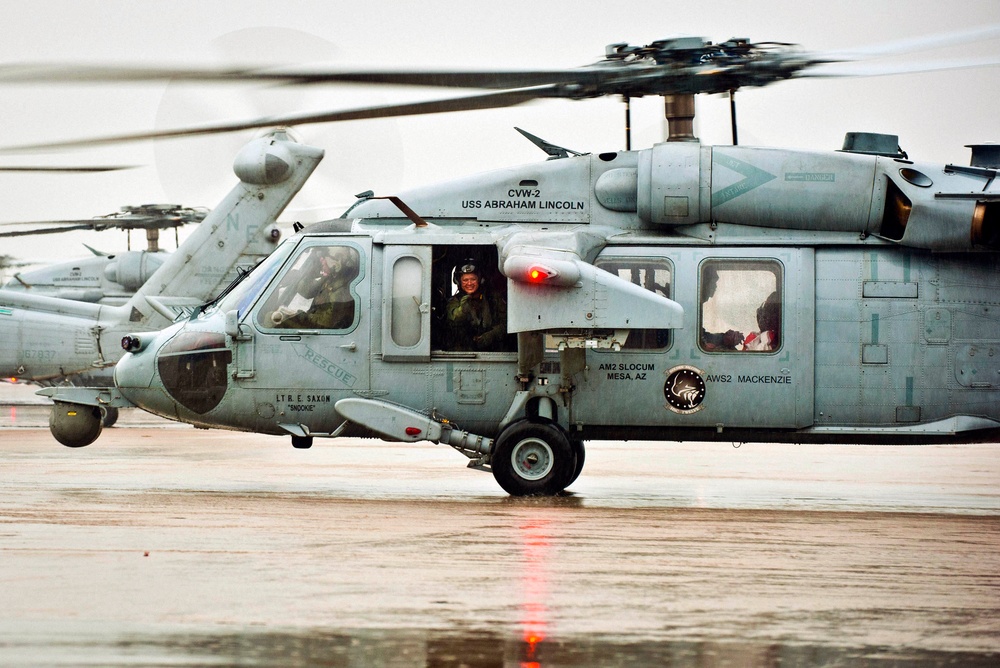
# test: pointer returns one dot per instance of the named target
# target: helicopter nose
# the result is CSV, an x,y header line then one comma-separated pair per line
x,y
136,370
178,369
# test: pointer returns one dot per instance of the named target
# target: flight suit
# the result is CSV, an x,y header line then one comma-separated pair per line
x,y
476,322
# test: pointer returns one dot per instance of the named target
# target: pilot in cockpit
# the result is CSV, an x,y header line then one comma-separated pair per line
x,y
318,296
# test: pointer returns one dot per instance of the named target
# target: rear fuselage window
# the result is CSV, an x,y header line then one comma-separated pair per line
x,y
653,274
740,306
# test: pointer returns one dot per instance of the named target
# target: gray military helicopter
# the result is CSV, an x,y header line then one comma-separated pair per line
x,y
103,278
9,262
681,292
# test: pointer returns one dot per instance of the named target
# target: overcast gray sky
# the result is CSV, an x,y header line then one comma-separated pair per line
x,y
934,114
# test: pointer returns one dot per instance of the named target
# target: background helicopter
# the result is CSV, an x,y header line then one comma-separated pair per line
x,y
53,341
8,262
103,278
538,432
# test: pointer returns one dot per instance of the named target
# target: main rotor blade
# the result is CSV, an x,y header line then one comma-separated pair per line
x,y
922,43
861,69
109,168
467,103
46,230
83,221
486,79
127,219
97,73
686,66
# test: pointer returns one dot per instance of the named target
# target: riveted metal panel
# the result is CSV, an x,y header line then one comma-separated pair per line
x,y
890,289
470,386
874,353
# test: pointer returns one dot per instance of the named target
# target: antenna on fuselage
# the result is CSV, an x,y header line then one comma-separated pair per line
x,y
550,148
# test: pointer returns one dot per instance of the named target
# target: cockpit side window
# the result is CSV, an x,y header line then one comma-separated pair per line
x,y
316,292
740,306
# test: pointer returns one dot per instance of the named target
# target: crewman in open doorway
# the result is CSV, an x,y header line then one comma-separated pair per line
x,y
477,318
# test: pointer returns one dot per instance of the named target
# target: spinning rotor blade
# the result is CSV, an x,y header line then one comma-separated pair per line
x,y
488,101
109,168
91,222
924,43
486,79
45,230
859,69
147,217
676,66
661,68
10,262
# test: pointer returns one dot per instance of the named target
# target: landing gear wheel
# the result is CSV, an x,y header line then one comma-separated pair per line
x,y
302,442
581,455
109,415
532,459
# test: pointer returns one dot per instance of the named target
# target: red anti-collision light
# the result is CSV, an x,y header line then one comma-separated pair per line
x,y
537,274
539,271
412,431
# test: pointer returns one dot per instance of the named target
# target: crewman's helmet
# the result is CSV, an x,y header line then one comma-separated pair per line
x,y
467,266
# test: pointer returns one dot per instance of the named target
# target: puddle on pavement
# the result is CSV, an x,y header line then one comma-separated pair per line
x,y
371,648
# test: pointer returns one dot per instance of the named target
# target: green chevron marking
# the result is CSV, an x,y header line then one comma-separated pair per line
x,y
753,177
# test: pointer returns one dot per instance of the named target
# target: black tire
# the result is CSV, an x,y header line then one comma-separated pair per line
x,y
109,415
302,442
532,459
581,455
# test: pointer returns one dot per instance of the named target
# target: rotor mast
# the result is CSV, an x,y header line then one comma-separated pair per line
x,y
678,109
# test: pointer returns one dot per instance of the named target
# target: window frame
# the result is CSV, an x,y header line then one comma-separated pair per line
x,y
776,268
277,282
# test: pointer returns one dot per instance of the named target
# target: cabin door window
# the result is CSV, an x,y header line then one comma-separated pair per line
x,y
740,306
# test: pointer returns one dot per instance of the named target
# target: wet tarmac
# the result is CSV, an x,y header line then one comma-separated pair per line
x,y
165,545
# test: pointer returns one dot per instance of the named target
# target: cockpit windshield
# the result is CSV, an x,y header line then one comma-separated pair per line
x,y
243,295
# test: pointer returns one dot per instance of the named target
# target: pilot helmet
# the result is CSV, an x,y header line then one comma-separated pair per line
x,y
467,266
341,261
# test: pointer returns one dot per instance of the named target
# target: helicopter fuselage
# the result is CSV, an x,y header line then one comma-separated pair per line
x,y
675,293
877,344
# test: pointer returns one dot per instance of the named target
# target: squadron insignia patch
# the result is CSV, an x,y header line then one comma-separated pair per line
x,y
684,390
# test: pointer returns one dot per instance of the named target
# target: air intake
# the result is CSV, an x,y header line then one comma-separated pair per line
x,y
873,143
985,155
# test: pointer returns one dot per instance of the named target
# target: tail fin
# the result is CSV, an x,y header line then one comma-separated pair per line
x,y
271,170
